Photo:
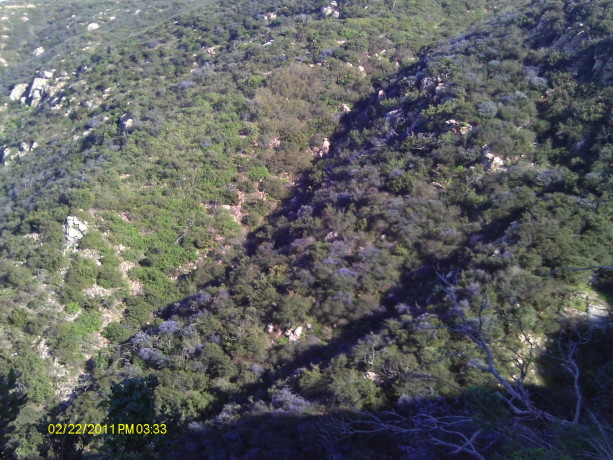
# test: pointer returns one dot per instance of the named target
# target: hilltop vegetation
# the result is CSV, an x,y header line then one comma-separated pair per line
x,y
305,228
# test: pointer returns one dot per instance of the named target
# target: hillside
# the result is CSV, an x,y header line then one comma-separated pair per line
x,y
309,230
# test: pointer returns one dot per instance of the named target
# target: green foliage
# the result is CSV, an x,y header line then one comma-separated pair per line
x,y
35,377
349,388
19,317
87,322
82,274
93,240
117,332
258,173
72,308
484,165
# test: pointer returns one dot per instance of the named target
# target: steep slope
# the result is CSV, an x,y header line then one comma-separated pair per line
x,y
453,248
136,159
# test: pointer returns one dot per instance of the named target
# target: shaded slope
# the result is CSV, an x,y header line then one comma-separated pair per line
x,y
480,172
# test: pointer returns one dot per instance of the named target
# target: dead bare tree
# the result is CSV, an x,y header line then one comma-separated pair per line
x,y
457,433
517,396
567,357
463,433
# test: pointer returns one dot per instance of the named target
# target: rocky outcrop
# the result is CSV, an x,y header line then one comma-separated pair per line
x,y
294,335
74,230
492,162
324,149
331,10
43,87
93,26
8,155
325,146
38,51
459,127
39,87
269,16
18,91
125,122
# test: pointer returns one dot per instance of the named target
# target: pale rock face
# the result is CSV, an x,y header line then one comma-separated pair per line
x,y
125,122
294,335
35,97
440,88
18,91
493,163
38,87
93,26
325,147
465,129
38,51
460,127
330,11
46,74
40,81
74,230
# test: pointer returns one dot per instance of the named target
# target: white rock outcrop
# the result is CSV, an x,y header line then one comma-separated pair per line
x,y
74,230
8,155
38,51
93,26
39,87
325,146
295,334
493,163
18,91
125,122
330,11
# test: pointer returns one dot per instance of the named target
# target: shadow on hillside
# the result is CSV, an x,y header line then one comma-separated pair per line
x,y
287,426
290,427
